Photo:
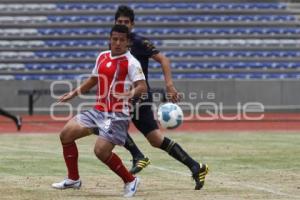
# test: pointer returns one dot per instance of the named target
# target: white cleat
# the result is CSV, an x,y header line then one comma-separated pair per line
x,y
131,187
67,183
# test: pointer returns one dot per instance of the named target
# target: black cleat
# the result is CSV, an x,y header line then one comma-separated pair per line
x,y
19,122
200,171
138,164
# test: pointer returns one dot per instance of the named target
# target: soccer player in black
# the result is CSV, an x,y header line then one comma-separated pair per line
x,y
17,119
143,50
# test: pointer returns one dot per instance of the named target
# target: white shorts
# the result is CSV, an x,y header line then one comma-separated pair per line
x,y
112,126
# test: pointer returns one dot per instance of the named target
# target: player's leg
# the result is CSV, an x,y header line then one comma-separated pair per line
x,y
199,171
17,119
139,161
71,132
115,134
103,151
133,148
144,121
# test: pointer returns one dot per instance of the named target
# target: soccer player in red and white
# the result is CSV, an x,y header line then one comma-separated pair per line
x,y
119,77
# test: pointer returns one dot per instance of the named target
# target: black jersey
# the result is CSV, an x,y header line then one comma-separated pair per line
x,y
142,49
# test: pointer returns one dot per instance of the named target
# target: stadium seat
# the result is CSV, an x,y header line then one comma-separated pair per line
x,y
250,75
152,31
197,54
149,18
59,66
174,5
171,54
230,65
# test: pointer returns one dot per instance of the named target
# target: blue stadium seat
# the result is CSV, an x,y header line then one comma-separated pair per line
x,y
230,65
293,76
76,43
234,65
250,75
171,54
85,18
74,31
247,6
66,54
175,5
143,6
155,6
46,77
242,53
79,6
181,18
171,31
59,66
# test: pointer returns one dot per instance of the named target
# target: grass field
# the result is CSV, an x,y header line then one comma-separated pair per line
x,y
242,166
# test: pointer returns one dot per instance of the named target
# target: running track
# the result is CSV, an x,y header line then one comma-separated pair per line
x,y
270,122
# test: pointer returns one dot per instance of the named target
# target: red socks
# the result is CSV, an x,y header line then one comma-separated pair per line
x,y
116,165
71,158
70,153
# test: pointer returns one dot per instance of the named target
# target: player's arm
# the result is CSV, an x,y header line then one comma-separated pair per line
x,y
83,88
139,88
165,65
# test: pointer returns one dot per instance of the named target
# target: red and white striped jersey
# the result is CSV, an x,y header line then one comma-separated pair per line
x,y
115,74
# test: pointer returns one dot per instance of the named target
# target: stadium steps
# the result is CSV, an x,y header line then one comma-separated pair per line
x,y
154,33
35,25
148,8
155,76
183,66
178,71
164,45
12,23
197,59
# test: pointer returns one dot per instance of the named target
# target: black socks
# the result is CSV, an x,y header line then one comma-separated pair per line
x,y
132,148
177,152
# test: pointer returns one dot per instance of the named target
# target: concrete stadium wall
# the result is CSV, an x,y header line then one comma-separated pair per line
x,y
279,95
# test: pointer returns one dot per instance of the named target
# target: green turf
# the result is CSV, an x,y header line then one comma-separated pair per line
x,y
242,166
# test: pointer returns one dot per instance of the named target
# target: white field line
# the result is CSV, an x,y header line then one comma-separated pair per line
x,y
256,186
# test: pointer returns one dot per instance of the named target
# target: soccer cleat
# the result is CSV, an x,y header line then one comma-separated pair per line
x,y
67,183
131,187
200,171
19,122
139,164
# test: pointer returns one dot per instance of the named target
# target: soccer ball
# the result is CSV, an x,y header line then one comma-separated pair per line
x,y
170,115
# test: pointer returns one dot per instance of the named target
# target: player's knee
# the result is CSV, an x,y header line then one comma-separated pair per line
x,y
155,139
66,136
99,153
62,137
154,143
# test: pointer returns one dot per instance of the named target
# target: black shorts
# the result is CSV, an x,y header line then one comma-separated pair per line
x,y
143,119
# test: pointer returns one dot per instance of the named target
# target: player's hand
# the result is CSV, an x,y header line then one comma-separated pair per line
x,y
172,94
66,97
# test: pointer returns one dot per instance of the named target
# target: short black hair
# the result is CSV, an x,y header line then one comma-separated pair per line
x,y
125,11
120,29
